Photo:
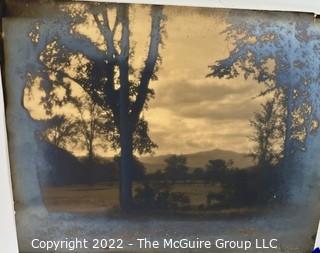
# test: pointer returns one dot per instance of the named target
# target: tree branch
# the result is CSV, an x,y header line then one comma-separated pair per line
x,y
108,36
123,61
94,95
150,63
111,61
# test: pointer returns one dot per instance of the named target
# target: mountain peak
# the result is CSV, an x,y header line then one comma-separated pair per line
x,y
200,159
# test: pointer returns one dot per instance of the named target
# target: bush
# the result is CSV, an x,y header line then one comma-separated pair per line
x,y
160,198
257,186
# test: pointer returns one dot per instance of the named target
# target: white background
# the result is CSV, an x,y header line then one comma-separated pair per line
x,y
8,242
8,238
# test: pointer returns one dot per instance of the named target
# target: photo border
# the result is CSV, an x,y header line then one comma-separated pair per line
x,y
8,233
310,6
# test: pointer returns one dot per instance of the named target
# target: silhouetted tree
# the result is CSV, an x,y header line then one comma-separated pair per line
x,y
282,55
89,129
176,168
198,174
95,126
104,72
216,170
61,131
266,133
138,171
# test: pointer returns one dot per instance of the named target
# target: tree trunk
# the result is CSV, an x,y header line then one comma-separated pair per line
x,y
90,151
126,125
126,141
126,166
126,136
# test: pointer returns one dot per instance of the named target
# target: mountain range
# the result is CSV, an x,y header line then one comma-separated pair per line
x,y
199,159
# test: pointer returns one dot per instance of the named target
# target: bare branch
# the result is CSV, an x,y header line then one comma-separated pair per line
x,y
150,63
111,61
123,61
108,36
122,15
116,23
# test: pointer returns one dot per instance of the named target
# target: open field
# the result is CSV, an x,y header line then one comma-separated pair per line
x,y
82,198
102,197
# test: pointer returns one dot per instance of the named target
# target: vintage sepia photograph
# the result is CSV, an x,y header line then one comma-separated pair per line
x,y
130,121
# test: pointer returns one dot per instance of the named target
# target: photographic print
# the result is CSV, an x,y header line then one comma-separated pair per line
x,y
161,128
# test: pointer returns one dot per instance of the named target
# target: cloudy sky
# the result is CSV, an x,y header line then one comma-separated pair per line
x,y
190,112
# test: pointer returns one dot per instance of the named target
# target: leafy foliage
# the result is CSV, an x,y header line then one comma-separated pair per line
x,y
284,56
101,65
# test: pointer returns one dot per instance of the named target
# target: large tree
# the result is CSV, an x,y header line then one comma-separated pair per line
x,y
105,72
278,54
281,52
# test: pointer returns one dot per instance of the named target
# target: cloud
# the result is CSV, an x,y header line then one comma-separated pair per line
x,y
186,92
178,134
190,112
208,98
221,111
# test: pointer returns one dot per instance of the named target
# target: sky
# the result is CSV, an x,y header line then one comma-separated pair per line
x,y
190,112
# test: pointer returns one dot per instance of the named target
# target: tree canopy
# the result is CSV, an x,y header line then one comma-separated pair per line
x,y
91,48
284,56
70,57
